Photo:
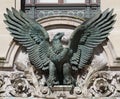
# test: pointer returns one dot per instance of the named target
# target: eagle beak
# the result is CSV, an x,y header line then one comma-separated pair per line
x,y
62,34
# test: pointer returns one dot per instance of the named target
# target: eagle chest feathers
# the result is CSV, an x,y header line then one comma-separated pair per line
x,y
57,51
57,47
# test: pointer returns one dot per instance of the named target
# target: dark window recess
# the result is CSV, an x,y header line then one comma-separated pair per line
x,y
93,1
23,5
28,1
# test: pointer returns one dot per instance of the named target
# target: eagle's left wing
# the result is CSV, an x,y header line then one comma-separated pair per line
x,y
31,35
88,36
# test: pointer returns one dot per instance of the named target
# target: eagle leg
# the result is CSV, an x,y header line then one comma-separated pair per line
x,y
52,79
68,78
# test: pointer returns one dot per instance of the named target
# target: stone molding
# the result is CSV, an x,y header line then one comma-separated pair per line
x,y
43,11
6,63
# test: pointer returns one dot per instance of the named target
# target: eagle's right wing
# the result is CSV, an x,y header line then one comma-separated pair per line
x,y
89,35
31,35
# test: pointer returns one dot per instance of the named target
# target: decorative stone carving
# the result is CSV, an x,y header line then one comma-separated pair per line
x,y
52,56
26,81
102,86
84,11
2,83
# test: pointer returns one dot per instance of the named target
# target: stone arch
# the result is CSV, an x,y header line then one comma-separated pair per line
x,y
57,22
60,22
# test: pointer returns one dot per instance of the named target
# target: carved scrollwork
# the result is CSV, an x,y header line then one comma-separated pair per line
x,y
16,84
23,84
77,91
104,84
2,83
21,87
116,82
101,88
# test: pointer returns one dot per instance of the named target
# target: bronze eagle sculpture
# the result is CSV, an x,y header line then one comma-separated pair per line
x,y
52,56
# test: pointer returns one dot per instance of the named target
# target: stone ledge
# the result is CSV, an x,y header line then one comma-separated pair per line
x,y
60,98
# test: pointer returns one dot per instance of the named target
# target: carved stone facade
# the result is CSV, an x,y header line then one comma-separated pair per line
x,y
26,83
97,80
22,80
86,10
46,11
18,78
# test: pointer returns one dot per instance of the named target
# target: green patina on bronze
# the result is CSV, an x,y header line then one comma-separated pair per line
x,y
59,61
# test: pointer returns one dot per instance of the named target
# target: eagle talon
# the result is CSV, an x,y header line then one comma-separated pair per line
x,y
52,81
69,80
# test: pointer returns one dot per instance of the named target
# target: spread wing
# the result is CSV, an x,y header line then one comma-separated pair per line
x,y
88,35
31,35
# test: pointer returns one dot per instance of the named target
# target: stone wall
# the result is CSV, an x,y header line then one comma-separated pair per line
x,y
115,33
5,38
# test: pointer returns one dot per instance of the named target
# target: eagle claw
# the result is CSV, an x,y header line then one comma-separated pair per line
x,y
69,80
52,81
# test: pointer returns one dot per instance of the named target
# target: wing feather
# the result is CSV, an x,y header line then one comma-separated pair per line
x,y
88,36
31,35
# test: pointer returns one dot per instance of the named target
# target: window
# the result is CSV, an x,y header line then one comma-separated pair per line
x,y
46,1
27,1
58,1
93,1
74,1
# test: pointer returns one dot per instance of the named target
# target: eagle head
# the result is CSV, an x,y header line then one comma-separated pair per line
x,y
58,36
